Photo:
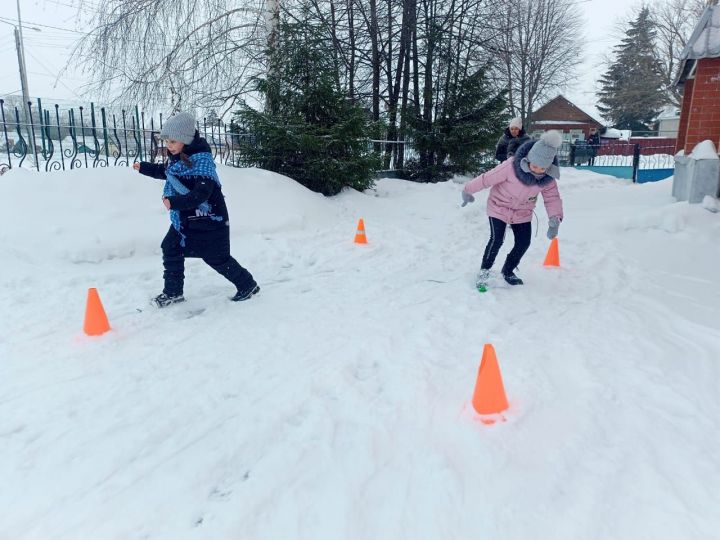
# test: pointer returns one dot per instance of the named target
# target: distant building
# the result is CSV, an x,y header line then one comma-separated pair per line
x,y
699,77
563,115
668,123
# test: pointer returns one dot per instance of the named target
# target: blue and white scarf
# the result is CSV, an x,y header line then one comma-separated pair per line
x,y
202,165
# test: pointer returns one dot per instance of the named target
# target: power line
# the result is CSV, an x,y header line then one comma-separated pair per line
x,y
12,21
81,6
57,78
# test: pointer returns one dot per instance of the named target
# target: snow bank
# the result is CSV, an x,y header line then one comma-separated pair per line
x,y
91,215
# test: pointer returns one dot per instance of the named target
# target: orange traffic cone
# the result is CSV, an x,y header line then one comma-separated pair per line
x,y
489,396
96,322
360,237
553,255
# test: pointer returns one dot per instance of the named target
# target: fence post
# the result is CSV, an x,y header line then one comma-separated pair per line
x,y
7,141
42,131
141,154
60,138
32,134
103,117
636,162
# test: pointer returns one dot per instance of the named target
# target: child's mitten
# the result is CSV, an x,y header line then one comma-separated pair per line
x,y
553,226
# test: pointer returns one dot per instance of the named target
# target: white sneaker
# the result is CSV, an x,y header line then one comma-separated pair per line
x,y
482,278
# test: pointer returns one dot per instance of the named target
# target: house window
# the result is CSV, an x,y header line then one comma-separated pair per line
x,y
537,133
577,134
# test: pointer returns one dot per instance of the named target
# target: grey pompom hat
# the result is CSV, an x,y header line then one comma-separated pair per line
x,y
544,151
180,127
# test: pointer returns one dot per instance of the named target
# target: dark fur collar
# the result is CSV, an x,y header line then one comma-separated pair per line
x,y
527,178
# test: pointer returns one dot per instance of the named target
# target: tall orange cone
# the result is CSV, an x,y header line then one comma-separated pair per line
x,y
553,254
489,396
96,322
360,237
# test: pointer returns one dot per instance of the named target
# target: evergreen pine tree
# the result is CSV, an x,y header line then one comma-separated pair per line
x,y
632,96
472,116
309,129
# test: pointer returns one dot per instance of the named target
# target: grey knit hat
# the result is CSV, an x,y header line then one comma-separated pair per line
x,y
180,127
544,151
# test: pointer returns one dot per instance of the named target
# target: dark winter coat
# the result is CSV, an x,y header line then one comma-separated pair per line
x,y
501,150
204,236
593,141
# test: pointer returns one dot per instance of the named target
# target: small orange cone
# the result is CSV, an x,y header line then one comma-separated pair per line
x,y
360,237
553,255
96,322
489,396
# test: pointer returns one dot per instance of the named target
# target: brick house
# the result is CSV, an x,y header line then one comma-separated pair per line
x,y
563,115
699,78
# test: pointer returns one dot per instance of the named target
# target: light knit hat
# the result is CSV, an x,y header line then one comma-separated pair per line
x,y
515,122
544,151
180,127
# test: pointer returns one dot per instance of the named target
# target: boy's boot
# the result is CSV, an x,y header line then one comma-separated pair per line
x,y
164,300
246,294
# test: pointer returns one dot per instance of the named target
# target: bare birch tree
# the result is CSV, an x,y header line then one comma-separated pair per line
x,y
539,50
191,53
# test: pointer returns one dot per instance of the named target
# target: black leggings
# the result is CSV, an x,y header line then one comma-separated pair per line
x,y
521,232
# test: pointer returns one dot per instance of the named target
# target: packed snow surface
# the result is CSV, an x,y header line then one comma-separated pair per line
x,y
336,403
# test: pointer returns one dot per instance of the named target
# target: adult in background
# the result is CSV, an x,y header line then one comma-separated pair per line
x,y
514,132
593,141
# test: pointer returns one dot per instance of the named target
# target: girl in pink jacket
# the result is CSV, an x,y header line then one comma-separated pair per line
x,y
514,188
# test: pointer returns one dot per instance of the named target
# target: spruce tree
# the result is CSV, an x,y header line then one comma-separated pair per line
x,y
309,130
632,95
472,114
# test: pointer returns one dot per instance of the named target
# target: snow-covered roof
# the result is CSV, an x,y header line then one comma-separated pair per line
x,y
670,112
705,39
614,133
703,43
549,122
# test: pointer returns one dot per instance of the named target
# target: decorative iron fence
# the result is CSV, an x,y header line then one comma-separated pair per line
x,y
52,140
55,139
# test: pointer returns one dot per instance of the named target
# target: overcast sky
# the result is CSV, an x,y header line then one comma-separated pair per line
x,y
48,49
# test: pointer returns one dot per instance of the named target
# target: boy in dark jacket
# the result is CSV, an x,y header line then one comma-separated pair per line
x,y
199,218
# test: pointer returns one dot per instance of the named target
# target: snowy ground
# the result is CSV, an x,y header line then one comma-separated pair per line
x,y
335,405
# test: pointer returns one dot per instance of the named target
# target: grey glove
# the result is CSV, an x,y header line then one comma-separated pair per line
x,y
467,198
553,226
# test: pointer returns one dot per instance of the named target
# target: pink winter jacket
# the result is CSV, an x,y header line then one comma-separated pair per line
x,y
511,200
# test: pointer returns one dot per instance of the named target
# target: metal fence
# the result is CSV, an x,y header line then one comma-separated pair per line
x,y
69,138
639,161
61,139
54,139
